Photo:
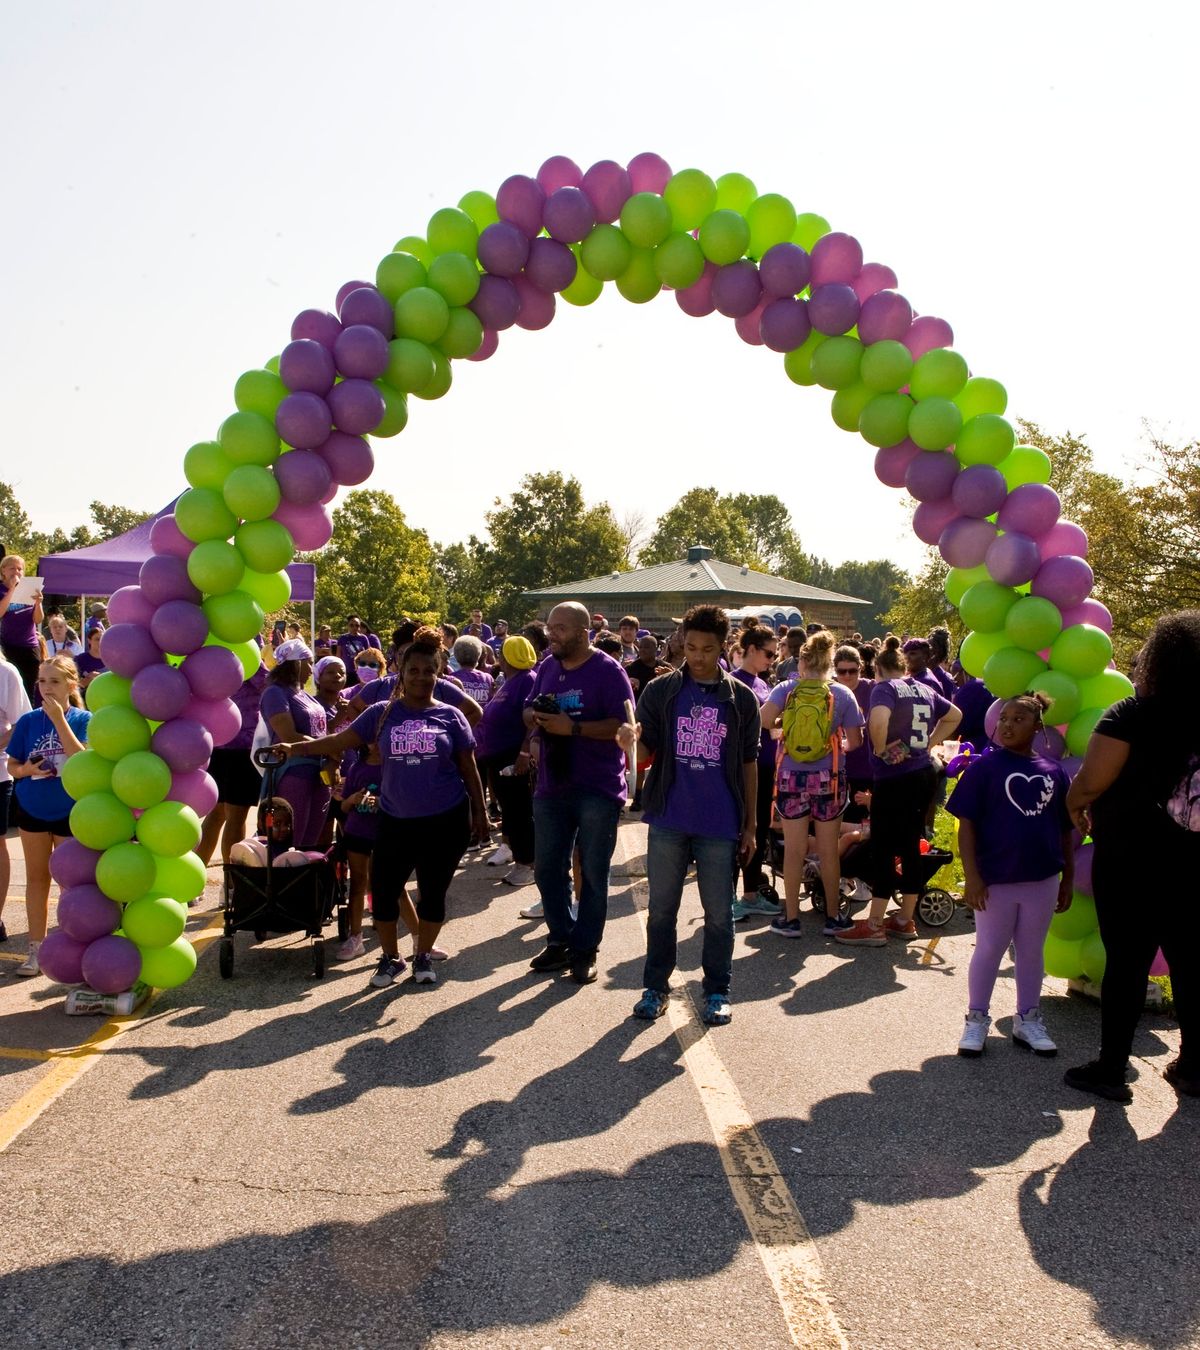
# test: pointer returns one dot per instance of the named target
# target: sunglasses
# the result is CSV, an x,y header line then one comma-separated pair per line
x,y
848,670
365,665
772,652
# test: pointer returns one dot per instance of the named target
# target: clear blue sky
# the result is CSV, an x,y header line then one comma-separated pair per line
x,y
180,180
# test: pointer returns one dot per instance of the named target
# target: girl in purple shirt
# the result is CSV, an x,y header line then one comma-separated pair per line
x,y
296,718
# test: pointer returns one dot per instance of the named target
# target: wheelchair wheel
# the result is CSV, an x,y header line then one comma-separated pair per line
x,y
318,953
343,923
936,907
225,958
815,886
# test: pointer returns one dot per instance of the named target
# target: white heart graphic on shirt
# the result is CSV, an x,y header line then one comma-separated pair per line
x,y
1034,802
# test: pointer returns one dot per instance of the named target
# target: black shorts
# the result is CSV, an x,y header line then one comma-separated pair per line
x,y
36,825
355,843
430,846
238,782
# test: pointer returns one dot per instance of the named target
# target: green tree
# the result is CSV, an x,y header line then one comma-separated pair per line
x,y
739,527
921,603
112,521
465,574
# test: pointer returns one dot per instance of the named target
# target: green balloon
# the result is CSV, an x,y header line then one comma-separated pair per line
x,y
481,207
421,314
1063,692
1083,650
585,289
1076,922
170,828
645,219
168,967
884,421
886,366
215,566
99,821
452,231
201,514
441,381
116,732
266,545
981,395
399,272
1094,957
798,362
772,220
1033,623
418,247
724,236
249,438
272,590
395,412
605,252
639,282
934,424
959,581
455,277
181,878
1008,671
108,690
126,871
847,405
986,605
141,780
1079,732
463,337
691,194
679,261
985,439
257,391
978,649
1064,960
234,616
410,365
1026,464
86,772
206,465
272,364
154,921
735,192
836,363
809,228
940,373
1098,691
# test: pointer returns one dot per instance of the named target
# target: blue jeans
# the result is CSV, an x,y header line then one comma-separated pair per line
x,y
667,859
561,821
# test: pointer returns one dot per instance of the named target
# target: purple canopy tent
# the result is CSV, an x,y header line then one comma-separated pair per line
x,y
100,569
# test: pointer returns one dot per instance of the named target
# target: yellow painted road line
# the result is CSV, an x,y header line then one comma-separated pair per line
x,y
70,1065
927,958
16,1052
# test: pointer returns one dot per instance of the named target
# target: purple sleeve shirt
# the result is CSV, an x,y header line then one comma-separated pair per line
x,y
502,728
913,710
308,716
592,692
17,627
700,801
846,715
419,775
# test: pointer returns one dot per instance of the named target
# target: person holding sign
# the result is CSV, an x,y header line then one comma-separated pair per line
x,y
20,619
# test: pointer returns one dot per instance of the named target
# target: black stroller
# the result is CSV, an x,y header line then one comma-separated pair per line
x,y
265,900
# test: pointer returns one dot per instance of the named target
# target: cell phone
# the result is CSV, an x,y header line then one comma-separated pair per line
x,y
36,759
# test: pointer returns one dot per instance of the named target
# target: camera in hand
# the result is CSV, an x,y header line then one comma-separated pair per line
x,y
555,749
545,703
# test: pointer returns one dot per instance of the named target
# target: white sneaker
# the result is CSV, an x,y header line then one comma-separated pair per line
x,y
862,892
974,1034
352,947
520,874
30,965
501,856
534,911
1029,1032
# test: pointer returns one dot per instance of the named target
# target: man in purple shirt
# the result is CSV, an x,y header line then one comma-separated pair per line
x,y
354,640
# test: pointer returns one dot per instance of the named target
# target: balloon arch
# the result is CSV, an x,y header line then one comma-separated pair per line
x,y
181,640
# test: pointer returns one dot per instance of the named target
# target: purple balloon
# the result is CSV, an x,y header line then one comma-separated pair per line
x,y
221,717
648,172
537,308
784,324
1049,742
964,542
503,249
608,188
304,421
127,648
925,334
344,290
1065,581
164,577
368,305
748,326
979,490
931,518
1062,537
306,367
357,407
785,270
129,605
86,913
487,347
349,459
551,266
833,308
886,315
874,277
836,258
1012,559
569,217
891,463
1030,509
61,956
111,964
167,537
1088,611
931,476
160,692
736,288
696,299
991,718
213,673
197,789
496,304
559,172
302,475
521,199
361,352
179,627
319,324
71,864
309,526
184,744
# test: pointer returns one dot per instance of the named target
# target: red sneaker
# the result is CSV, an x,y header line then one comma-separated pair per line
x,y
863,934
897,927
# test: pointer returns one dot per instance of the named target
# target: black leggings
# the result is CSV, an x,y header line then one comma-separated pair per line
x,y
431,846
515,795
1147,897
898,807
26,660
752,872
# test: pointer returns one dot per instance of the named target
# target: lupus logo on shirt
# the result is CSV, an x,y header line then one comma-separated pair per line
x,y
413,737
699,737
570,700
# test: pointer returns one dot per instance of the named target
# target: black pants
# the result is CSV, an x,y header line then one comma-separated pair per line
x,y
26,661
752,872
431,846
1148,896
854,814
514,792
898,807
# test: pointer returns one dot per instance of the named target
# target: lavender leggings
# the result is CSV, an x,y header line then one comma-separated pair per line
x,y
1020,913
301,787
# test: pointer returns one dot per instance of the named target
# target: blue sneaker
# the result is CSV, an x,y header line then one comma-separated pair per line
x,y
837,924
717,1011
762,904
741,911
388,971
652,1004
785,927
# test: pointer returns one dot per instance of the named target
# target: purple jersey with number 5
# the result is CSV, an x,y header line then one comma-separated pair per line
x,y
913,711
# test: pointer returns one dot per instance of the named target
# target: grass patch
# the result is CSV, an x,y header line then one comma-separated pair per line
x,y
951,876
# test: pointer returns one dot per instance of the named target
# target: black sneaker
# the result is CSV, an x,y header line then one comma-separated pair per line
x,y
3,932
636,804
1183,1082
1095,1078
554,956
583,967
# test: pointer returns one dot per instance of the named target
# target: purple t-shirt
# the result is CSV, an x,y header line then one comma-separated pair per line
x,y
846,716
308,717
477,683
913,710
502,727
16,626
247,698
361,824
1018,805
858,762
376,691
350,644
592,692
761,691
419,775
699,800
938,681
86,664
